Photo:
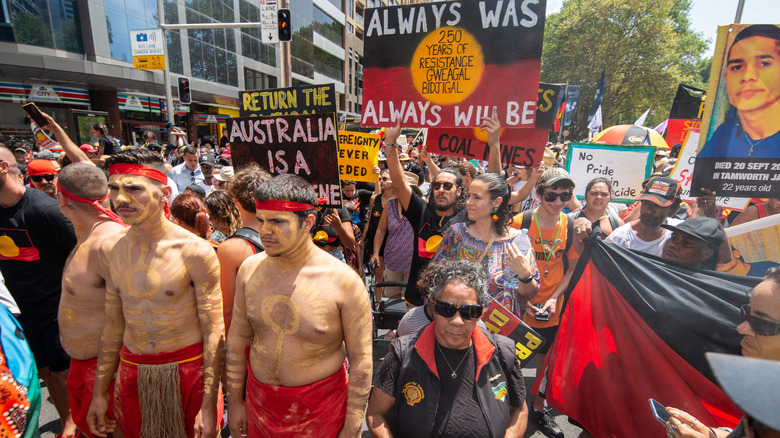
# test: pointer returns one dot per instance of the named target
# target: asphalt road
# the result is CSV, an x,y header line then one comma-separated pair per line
x,y
49,421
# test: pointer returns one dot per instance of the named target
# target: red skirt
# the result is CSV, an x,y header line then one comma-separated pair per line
x,y
126,400
318,409
81,384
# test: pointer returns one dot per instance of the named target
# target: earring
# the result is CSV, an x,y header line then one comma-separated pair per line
x,y
495,215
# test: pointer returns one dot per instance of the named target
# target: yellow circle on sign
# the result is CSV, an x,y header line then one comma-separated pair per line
x,y
447,66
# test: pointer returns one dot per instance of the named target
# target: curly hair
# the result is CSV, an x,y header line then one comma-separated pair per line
x,y
245,183
497,187
223,212
460,202
443,272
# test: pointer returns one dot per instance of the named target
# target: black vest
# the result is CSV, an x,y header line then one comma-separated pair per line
x,y
417,387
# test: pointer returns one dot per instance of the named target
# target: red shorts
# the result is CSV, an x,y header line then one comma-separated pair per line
x,y
81,384
127,407
280,411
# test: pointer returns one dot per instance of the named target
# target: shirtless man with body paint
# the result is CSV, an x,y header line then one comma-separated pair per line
x,y
299,308
163,313
82,305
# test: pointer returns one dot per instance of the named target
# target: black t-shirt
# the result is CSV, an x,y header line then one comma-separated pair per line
x,y
108,146
323,233
458,413
36,241
428,228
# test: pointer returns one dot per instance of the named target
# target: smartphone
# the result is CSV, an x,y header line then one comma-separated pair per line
x,y
659,411
539,315
35,114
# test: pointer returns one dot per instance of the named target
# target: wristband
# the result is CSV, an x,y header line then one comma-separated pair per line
x,y
393,145
527,280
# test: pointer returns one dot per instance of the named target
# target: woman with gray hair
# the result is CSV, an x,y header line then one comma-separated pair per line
x,y
436,380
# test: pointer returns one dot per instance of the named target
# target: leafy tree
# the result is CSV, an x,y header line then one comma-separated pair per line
x,y
646,47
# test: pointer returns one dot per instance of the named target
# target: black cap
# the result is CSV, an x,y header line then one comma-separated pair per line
x,y
660,190
208,160
153,147
705,229
752,384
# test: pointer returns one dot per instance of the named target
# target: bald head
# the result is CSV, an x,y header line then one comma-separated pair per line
x,y
8,157
84,180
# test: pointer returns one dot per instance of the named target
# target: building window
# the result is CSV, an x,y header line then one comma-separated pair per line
x,y
42,23
255,80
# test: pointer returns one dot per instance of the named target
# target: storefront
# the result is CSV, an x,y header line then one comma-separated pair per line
x,y
141,112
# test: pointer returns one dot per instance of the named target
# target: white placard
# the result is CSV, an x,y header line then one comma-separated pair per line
x,y
683,173
626,167
269,18
147,42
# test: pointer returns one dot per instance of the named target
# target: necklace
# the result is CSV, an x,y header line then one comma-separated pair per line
x,y
753,144
454,374
541,240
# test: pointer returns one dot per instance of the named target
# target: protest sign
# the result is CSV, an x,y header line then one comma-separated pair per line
x,y
739,151
755,247
688,103
519,147
683,174
499,320
309,99
358,154
446,64
306,145
626,167
677,131
548,103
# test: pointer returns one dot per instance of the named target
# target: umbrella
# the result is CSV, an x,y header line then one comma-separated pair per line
x,y
631,135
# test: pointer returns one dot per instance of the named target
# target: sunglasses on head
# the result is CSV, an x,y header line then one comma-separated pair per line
x,y
467,311
759,326
438,185
38,178
551,196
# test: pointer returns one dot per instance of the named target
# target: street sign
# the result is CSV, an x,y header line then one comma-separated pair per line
x,y
268,18
147,49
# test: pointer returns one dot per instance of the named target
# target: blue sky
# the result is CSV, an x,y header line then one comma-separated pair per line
x,y
707,15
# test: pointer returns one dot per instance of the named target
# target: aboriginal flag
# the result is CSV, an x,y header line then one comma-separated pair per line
x,y
636,327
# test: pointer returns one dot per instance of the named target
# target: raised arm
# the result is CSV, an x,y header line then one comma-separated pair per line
x,y
530,185
492,126
356,321
204,274
431,165
73,152
402,190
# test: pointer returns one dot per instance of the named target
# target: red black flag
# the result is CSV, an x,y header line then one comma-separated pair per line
x,y
636,327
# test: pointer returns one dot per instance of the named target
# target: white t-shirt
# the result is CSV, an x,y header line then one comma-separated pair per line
x,y
626,237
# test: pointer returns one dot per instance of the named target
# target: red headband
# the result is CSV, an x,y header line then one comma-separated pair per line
x,y
96,203
283,206
137,169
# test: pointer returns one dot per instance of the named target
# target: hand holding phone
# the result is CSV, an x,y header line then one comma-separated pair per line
x,y
35,114
539,315
659,411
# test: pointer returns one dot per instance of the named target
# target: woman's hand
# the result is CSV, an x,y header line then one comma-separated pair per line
x,y
521,263
684,425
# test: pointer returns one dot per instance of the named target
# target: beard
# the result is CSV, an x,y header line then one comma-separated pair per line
x,y
651,221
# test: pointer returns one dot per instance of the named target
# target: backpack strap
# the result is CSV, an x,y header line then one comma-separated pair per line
x,y
528,217
250,236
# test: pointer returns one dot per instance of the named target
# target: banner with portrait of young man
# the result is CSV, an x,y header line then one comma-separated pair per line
x,y
739,152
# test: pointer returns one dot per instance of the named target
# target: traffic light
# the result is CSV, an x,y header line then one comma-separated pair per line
x,y
285,29
184,90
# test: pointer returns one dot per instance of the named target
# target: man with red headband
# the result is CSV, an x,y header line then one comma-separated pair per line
x,y
82,189
163,331
297,309
43,176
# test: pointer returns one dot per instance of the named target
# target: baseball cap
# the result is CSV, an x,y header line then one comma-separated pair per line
x,y
555,175
226,153
45,155
153,147
41,167
86,147
20,150
660,190
751,383
208,160
706,229
168,126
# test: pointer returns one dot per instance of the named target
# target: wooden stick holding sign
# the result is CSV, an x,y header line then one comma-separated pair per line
x,y
306,145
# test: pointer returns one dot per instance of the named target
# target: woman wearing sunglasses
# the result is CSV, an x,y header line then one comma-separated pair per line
x,y
452,378
487,239
761,330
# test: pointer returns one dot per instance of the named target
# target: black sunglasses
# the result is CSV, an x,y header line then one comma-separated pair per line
x,y
38,178
551,196
447,185
759,326
467,311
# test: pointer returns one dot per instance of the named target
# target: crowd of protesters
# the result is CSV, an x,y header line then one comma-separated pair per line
x,y
193,261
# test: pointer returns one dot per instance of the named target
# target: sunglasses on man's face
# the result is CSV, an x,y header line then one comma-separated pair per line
x,y
552,196
38,178
438,185
759,326
467,311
